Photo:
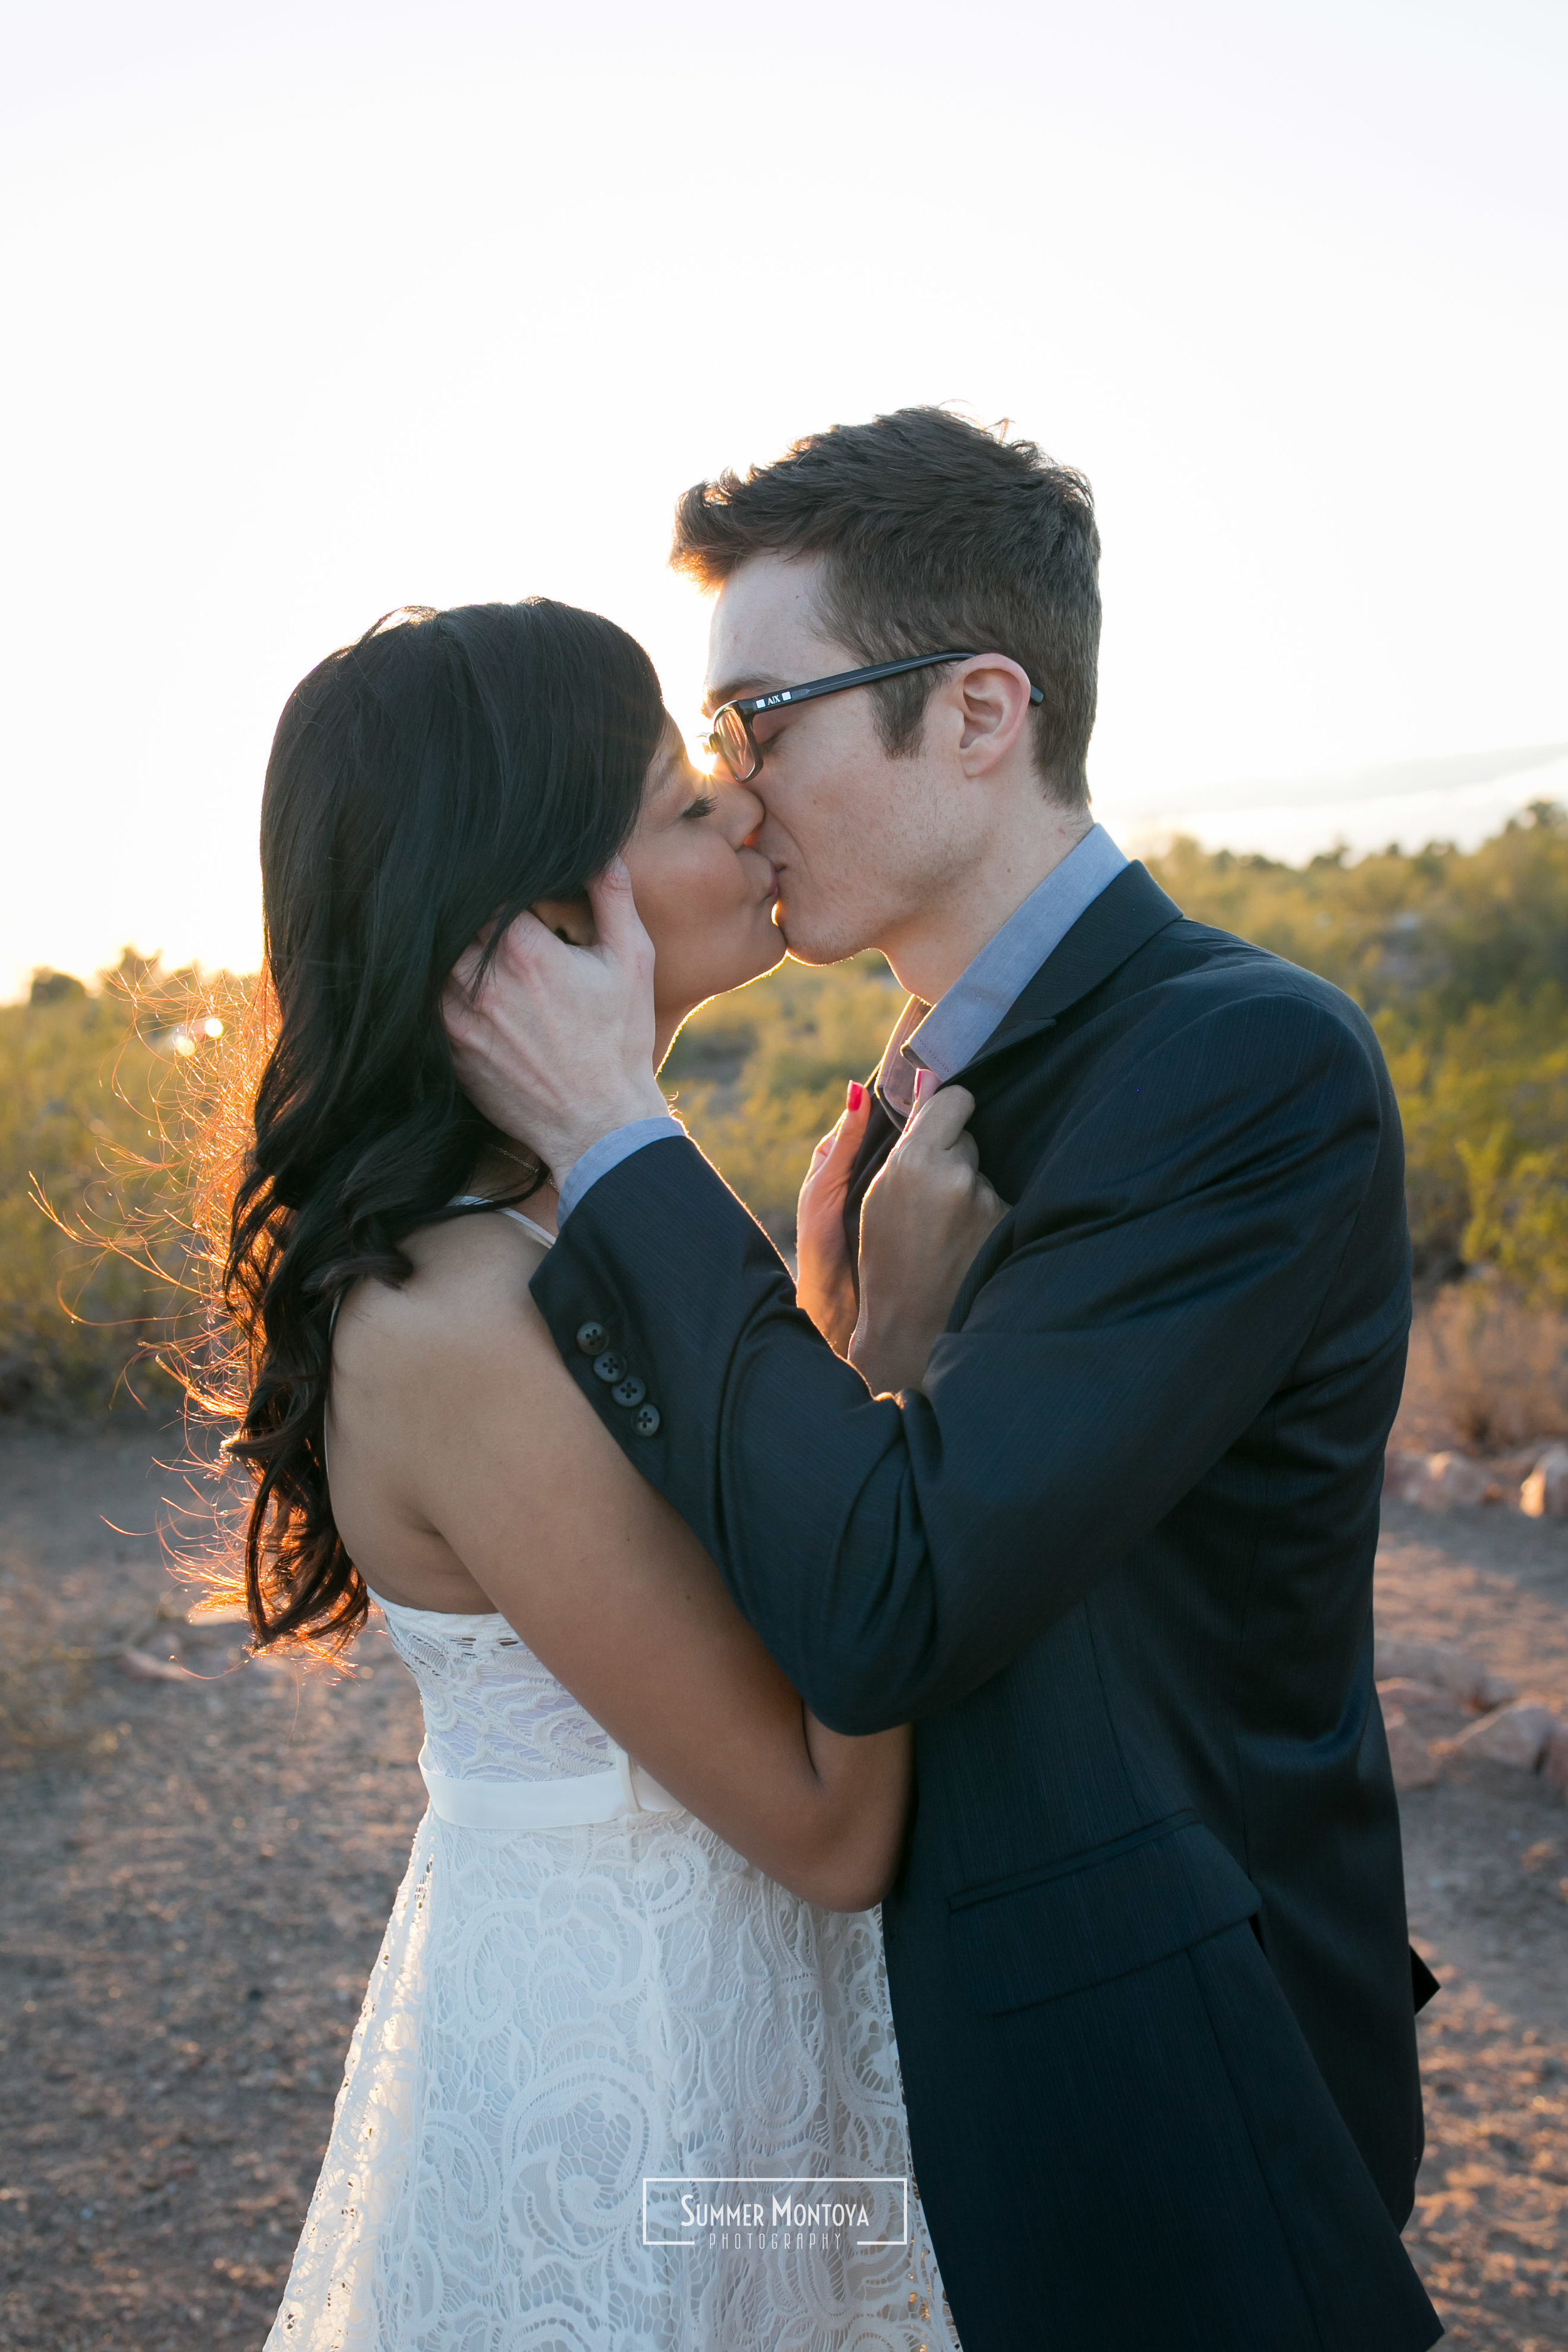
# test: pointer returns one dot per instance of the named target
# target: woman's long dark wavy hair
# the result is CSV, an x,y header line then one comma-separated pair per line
x,y
436,777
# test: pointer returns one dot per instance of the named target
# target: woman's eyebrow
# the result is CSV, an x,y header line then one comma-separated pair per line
x,y
672,783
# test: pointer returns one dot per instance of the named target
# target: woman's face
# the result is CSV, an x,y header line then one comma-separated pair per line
x,y
705,896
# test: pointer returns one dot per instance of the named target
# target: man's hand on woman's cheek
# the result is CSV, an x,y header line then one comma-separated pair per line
x,y
554,1043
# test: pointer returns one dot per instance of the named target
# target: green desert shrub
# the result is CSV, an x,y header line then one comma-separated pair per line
x,y
101,1094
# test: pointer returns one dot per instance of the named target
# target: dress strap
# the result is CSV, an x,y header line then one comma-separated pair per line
x,y
479,1201
539,1233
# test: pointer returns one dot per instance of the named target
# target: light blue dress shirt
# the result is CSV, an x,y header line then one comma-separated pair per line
x,y
944,1036
940,1037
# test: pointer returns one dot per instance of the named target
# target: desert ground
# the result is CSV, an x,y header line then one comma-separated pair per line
x,y
196,1872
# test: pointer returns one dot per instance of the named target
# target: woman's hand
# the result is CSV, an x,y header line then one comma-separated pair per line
x,y
921,1222
825,1287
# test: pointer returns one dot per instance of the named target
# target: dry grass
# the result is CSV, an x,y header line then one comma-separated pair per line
x,y
43,1686
1486,1374
119,1115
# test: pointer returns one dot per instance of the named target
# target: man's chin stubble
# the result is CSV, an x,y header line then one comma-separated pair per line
x,y
809,951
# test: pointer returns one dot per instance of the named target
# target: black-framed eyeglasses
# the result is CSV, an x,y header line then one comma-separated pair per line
x,y
730,739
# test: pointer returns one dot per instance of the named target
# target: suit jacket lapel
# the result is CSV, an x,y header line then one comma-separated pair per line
x,y
1127,913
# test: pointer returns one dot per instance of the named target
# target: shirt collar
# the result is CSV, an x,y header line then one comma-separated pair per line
x,y
944,1037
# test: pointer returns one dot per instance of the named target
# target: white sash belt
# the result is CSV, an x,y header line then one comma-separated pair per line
x,y
547,1804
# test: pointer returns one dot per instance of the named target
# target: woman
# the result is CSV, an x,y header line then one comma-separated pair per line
x,y
596,1972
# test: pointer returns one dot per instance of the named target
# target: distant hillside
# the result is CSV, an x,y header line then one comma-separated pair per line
x,y
1460,958
1462,961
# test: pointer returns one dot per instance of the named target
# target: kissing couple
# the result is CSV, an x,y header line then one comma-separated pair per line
x,y
1010,1569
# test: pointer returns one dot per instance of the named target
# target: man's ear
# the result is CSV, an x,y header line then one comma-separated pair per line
x,y
992,693
571,919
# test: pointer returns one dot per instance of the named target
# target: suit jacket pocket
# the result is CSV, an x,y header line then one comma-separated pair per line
x,y
1095,1915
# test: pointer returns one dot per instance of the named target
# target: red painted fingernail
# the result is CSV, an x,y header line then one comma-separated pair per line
x,y
925,1086
856,1093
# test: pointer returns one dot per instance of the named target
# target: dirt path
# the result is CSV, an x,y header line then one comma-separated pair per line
x,y
196,1874
195,1886
1486,1854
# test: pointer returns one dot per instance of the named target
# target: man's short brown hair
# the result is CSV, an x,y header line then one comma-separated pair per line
x,y
936,532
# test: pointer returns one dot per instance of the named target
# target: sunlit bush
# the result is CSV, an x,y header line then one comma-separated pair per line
x,y
102,1097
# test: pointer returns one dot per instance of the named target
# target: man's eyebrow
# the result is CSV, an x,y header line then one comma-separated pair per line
x,y
736,690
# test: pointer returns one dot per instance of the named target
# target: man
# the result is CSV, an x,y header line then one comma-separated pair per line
x,y
1148,1957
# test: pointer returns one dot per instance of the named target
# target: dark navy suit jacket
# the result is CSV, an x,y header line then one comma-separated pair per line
x,y
1147,1953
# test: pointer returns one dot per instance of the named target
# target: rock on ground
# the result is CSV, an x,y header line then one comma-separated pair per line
x,y
1545,1494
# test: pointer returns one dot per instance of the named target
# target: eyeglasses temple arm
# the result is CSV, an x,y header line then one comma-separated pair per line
x,y
749,704
752,703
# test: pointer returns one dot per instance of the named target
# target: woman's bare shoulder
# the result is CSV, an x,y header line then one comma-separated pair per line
x,y
465,1304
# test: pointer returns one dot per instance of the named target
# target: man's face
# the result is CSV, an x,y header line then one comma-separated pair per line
x,y
859,841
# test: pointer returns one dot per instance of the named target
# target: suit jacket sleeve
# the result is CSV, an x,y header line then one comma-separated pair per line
x,y
1150,1291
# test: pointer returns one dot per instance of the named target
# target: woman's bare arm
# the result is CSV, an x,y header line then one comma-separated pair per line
x,y
451,1409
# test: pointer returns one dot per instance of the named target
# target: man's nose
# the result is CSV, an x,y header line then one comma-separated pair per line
x,y
744,814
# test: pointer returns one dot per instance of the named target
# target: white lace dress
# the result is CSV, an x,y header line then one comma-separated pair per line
x,y
558,2014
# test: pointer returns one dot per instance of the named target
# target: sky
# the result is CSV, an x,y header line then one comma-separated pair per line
x,y
317,309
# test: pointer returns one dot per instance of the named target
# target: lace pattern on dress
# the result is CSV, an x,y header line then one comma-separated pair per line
x,y
493,1711
555,2015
